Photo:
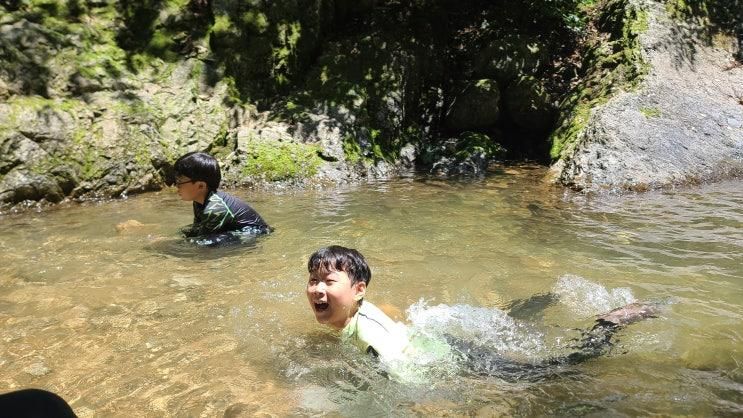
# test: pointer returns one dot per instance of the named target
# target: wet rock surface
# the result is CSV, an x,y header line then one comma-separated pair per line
x,y
683,125
91,108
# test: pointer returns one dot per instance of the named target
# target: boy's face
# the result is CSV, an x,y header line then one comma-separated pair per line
x,y
333,298
190,190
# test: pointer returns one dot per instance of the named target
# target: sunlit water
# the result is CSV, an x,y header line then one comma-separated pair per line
x,y
136,323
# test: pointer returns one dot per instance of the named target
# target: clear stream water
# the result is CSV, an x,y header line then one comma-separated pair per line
x,y
133,322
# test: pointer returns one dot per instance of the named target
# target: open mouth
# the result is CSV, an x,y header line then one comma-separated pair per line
x,y
321,307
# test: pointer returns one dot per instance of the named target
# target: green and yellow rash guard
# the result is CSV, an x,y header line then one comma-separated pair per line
x,y
222,212
405,355
373,332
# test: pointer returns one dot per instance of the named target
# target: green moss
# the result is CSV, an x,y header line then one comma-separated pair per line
x,y
197,69
90,166
101,60
161,45
273,160
636,25
222,24
683,9
650,112
352,150
255,21
614,64
233,93
224,143
20,105
176,5
37,103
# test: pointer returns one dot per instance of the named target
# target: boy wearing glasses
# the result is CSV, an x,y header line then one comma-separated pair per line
x,y
218,216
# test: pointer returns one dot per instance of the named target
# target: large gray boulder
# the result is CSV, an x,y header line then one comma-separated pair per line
x,y
683,125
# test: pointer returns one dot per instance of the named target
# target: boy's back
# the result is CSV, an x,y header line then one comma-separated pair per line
x,y
223,212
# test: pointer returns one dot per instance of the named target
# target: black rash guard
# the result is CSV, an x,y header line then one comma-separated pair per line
x,y
223,213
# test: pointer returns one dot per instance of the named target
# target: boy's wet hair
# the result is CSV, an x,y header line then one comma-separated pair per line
x,y
337,258
199,166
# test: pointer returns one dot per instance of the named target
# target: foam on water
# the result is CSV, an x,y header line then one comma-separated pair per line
x,y
585,298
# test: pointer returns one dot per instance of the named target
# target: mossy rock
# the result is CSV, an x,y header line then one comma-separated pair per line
x,y
614,62
277,161
467,154
18,186
267,46
375,86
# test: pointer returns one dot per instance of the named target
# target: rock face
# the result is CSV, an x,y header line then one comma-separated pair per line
x,y
684,123
98,99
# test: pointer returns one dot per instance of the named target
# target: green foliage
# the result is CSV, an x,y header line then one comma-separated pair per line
x,y
273,160
575,14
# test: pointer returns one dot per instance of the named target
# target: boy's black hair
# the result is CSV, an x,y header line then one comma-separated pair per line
x,y
337,258
199,166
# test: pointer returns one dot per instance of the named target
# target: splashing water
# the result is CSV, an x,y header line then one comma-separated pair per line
x,y
586,298
483,327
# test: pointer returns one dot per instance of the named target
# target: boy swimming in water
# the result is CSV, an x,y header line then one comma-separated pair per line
x,y
218,216
338,278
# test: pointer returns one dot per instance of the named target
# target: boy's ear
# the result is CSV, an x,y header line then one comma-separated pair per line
x,y
360,290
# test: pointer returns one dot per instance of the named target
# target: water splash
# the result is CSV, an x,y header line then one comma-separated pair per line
x,y
483,327
585,298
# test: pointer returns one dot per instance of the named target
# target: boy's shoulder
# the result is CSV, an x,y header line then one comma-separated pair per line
x,y
371,316
373,328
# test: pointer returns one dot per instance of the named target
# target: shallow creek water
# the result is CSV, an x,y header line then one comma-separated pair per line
x,y
137,323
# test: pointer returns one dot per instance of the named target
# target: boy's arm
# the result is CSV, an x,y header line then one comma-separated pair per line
x,y
189,231
215,216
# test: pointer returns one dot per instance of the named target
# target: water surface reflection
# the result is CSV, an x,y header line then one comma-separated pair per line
x,y
134,323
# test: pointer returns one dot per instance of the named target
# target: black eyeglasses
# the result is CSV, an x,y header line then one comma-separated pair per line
x,y
178,183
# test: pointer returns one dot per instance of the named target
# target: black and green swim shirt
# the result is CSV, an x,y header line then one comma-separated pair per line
x,y
222,212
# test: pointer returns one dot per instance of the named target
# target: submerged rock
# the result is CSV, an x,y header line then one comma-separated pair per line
x,y
128,225
37,369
